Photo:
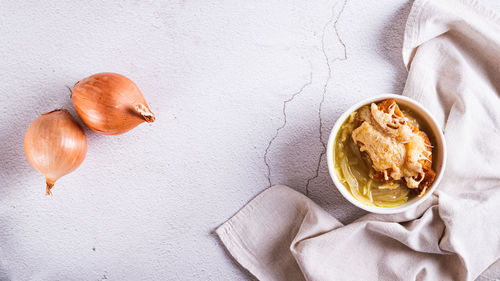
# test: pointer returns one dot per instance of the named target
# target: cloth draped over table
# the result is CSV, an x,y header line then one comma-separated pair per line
x,y
452,52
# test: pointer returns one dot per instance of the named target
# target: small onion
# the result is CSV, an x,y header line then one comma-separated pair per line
x,y
110,103
55,145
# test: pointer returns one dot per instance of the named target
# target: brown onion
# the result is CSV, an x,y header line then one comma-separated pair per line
x,y
55,145
110,103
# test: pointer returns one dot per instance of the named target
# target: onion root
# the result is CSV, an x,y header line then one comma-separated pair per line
x,y
145,113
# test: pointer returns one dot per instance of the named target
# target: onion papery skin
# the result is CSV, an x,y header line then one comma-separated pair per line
x,y
55,145
110,103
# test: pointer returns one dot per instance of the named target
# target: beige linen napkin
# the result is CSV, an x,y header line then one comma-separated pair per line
x,y
452,51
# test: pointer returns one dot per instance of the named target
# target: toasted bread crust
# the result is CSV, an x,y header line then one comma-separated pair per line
x,y
386,104
390,106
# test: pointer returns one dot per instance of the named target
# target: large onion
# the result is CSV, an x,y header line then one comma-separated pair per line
x,y
55,145
110,103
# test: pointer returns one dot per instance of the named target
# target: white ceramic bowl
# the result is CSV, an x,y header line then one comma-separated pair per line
x,y
438,152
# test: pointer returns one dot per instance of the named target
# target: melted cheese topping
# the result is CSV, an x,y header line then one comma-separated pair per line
x,y
384,151
395,146
392,124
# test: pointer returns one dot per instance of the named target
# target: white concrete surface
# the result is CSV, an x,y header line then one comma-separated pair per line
x,y
245,94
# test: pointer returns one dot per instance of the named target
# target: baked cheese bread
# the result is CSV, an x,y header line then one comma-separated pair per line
x,y
397,149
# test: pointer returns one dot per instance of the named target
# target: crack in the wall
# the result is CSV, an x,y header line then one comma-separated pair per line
x,y
285,102
327,59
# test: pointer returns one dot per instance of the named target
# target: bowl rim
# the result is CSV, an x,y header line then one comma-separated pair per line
x,y
343,190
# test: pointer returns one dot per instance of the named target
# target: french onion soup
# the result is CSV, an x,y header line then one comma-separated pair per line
x,y
382,156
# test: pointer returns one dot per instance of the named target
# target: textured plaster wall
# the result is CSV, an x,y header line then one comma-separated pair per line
x,y
245,94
